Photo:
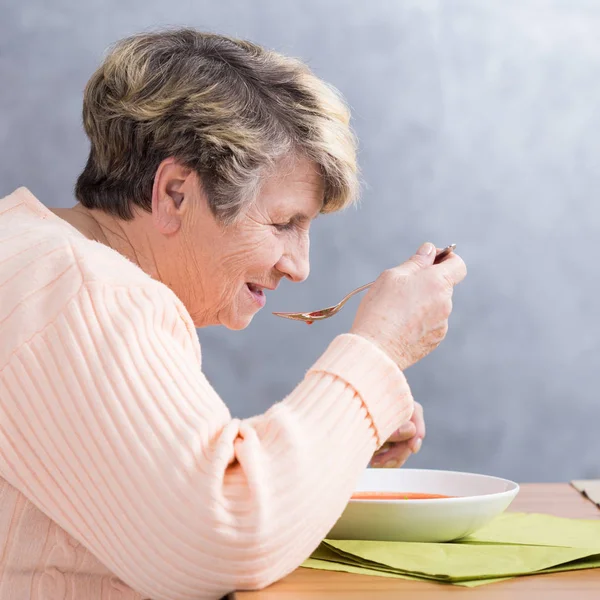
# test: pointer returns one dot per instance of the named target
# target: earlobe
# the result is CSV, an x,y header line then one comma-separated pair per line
x,y
166,211
167,219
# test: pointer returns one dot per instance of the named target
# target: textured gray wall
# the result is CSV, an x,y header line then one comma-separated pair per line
x,y
479,124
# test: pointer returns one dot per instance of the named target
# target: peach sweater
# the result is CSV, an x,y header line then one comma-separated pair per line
x,y
122,474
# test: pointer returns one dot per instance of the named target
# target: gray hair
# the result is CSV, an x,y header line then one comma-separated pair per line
x,y
228,109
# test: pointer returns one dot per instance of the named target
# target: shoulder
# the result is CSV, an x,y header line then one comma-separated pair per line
x,y
128,294
49,269
100,264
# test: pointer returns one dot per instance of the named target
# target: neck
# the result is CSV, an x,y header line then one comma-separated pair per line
x,y
128,238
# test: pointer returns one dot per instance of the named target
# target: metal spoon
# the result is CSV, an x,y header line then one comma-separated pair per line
x,y
325,313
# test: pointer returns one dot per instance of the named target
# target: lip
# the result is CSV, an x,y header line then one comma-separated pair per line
x,y
260,299
262,287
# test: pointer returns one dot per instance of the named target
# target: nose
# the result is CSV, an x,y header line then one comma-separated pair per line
x,y
295,261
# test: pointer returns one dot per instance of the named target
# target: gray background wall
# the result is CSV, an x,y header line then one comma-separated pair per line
x,y
479,124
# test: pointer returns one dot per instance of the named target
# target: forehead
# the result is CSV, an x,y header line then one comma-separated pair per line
x,y
296,185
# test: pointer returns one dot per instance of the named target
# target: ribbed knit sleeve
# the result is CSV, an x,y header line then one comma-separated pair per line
x,y
110,427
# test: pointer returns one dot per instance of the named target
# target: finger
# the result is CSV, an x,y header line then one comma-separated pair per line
x,y
394,458
419,422
404,433
423,258
418,419
453,269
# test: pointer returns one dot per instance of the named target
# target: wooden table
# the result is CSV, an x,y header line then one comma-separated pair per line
x,y
556,499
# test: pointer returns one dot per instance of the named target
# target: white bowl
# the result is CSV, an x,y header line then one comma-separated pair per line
x,y
479,498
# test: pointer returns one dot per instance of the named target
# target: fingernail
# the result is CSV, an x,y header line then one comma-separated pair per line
x,y
391,464
417,445
426,249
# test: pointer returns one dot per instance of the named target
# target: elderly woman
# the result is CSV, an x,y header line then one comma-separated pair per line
x,y
123,474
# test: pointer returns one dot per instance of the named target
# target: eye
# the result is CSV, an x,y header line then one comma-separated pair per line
x,y
285,226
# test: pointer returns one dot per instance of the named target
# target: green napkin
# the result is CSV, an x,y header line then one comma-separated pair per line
x,y
513,544
326,565
539,530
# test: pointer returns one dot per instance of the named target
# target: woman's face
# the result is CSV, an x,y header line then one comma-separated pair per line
x,y
229,270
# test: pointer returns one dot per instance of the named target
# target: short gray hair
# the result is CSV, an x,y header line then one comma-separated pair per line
x,y
228,109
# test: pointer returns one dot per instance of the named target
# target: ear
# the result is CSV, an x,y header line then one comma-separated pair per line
x,y
169,196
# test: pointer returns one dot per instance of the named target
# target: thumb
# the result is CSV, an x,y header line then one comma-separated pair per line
x,y
423,258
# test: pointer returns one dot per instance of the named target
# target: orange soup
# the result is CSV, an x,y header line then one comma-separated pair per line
x,y
396,496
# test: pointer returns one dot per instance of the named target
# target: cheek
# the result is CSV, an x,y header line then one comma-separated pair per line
x,y
255,256
267,255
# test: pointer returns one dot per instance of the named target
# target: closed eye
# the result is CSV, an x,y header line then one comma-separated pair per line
x,y
285,226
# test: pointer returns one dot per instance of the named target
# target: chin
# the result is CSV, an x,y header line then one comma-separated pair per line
x,y
238,313
238,326
237,322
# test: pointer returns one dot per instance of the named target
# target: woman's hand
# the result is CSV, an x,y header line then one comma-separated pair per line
x,y
402,443
406,310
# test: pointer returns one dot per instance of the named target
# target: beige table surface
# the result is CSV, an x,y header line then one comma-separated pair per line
x,y
558,499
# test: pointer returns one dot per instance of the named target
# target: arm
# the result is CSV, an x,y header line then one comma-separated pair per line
x,y
113,431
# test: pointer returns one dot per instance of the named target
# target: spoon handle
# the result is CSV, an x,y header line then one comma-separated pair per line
x,y
443,253
360,289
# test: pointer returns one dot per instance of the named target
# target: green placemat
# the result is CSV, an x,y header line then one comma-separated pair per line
x,y
512,545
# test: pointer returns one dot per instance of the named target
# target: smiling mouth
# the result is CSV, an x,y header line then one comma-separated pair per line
x,y
255,289
257,292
